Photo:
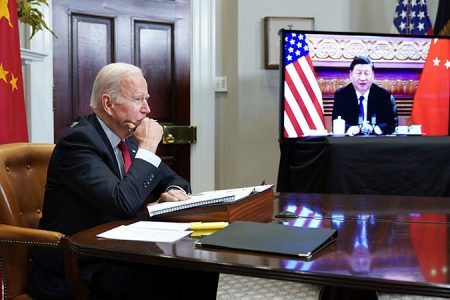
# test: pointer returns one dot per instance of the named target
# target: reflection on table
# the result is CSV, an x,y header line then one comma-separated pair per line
x,y
411,247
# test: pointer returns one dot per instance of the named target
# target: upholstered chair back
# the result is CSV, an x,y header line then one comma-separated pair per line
x,y
23,173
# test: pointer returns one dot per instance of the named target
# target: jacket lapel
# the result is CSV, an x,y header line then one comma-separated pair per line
x,y
111,160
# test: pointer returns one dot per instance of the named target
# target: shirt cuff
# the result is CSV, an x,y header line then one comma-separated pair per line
x,y
148,156
174,187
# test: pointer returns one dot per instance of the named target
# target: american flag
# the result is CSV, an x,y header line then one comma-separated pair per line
x,y
411,17
303,109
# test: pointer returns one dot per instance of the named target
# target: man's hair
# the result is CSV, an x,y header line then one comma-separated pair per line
x,y
109,80
361,60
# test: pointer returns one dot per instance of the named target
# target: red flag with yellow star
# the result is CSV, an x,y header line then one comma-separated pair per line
x,y
431,100
13,119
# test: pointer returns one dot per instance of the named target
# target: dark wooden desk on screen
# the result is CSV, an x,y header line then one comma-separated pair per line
x,y
384,165
394,244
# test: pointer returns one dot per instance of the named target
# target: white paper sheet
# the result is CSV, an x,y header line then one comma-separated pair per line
x,y
160,225
147,231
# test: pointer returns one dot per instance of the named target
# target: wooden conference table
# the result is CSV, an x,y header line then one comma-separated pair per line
x,y
394,244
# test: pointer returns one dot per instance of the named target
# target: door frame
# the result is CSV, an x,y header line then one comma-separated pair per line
x,y
203,158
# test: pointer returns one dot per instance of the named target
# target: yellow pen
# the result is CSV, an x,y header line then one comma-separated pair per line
x,y
199,233
208,225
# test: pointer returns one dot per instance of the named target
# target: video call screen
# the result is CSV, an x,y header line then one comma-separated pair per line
x,y
415,70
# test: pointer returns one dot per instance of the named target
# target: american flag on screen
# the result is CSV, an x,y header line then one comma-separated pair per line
x,y
303,109
411,17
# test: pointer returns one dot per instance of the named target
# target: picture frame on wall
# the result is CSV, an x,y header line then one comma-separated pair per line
x,y
272,26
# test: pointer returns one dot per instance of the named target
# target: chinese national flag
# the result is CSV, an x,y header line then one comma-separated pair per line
x,y
431,101
13,122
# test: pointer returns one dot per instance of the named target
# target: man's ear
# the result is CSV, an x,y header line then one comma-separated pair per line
x,y
107,104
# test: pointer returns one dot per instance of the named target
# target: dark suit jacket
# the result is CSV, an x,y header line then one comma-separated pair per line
x,y
380,102
84,189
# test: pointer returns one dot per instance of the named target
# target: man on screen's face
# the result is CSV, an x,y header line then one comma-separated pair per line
x,y
362,76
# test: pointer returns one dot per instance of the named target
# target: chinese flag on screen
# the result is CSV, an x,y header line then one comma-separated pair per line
x,y
13,122
431,101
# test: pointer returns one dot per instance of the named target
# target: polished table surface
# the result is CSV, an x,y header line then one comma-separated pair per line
x,y
395,244
394,208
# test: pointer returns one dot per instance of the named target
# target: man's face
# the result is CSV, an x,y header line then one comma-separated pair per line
x,y
362,77
133,106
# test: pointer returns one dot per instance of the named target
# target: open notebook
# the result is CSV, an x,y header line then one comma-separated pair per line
x,y
206,198
270,238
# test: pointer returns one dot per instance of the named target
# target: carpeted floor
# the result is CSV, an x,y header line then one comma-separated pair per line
x,y
232,287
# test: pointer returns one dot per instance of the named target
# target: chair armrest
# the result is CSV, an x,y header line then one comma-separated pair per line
x,y
35,237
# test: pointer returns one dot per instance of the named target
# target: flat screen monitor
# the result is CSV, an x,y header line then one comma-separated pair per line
x,y
405,84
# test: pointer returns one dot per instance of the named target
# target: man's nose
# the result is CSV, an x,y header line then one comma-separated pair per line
x,y
145,107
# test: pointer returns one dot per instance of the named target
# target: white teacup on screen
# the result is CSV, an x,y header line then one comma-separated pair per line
x,y
401,130
415,129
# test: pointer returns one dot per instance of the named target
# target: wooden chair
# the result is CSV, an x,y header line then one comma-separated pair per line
x,y
23,173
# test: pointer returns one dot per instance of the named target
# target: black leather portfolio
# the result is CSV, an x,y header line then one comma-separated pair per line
x,y
270,238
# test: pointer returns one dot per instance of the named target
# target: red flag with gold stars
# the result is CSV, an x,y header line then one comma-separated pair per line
x,y
431,100
13,116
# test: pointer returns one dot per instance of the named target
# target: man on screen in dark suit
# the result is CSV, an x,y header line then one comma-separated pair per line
x,y
91,182
365,107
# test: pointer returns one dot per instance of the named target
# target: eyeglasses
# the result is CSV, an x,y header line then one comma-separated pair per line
x,y
139,101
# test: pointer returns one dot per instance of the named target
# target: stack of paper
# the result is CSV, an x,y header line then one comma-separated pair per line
x,y
148,231
206,198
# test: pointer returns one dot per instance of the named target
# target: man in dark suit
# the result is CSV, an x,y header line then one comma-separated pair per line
x,y
90,182
365,107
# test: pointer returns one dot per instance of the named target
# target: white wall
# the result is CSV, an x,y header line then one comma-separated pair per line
x,y
227,122
247,115
41,85
38,78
